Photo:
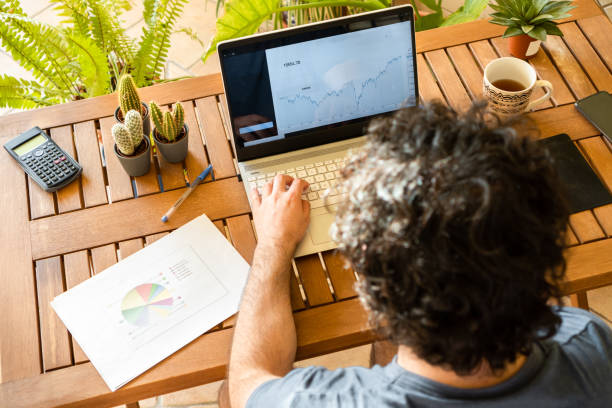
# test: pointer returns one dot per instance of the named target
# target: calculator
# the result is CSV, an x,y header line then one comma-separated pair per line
x,y
44,161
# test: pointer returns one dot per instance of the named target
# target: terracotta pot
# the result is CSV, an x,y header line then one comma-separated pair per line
x,y
523,46
146,120
173,152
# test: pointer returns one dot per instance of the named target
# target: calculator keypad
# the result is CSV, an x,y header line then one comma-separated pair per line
x,y
49,164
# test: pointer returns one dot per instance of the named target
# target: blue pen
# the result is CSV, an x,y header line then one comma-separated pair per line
x,y
182,198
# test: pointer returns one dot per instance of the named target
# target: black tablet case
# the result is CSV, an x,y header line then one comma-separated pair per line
x,y
584,189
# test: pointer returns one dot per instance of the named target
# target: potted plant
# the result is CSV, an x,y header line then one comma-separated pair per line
x,y
132,148
129,100
170,132
529,21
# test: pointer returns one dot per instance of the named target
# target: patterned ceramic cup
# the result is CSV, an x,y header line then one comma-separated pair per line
x,y
519,72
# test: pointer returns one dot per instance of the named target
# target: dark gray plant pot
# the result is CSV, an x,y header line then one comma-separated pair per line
x,y
136,165
146,121
176,151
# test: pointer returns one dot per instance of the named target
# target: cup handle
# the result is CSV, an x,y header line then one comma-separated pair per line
x,y
544,84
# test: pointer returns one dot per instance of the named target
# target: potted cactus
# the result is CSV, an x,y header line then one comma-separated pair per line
x,y
529,21
129,100
132,147
170,132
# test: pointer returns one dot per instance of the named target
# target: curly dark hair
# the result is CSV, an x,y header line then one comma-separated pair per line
x,y
456,225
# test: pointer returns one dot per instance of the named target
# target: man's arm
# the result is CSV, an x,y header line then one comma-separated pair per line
x,y
264,341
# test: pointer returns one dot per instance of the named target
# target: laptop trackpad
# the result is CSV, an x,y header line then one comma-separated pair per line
x,y
319,227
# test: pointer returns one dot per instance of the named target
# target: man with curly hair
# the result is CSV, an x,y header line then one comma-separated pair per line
x,y
455,225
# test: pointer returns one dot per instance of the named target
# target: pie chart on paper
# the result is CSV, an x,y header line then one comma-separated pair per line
x,y
146,304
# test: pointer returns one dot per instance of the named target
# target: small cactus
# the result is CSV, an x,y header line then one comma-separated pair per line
x,y
129,136
179,116
168,124
122,139
128,96
133,122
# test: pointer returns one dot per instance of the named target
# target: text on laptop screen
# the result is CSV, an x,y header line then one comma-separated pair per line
x,y
289,86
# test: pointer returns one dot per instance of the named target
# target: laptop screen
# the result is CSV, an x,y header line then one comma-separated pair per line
x,y
302,87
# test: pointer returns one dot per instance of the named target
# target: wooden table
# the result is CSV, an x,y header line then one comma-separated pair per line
x,y
51,242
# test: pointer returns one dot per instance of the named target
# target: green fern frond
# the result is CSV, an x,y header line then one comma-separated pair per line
x,y
39,48
76,15
92,63
107,32
23,94
161,43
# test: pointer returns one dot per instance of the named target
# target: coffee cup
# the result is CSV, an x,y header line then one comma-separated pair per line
x,y
508,85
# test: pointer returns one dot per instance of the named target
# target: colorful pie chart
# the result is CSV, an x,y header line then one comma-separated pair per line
x,y
146,304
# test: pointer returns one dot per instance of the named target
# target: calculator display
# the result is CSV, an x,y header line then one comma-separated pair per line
x,y
30,145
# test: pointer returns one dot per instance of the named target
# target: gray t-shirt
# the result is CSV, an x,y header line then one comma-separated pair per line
x,y
572,369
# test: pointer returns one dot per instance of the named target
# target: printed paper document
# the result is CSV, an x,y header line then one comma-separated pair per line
x,y
139,311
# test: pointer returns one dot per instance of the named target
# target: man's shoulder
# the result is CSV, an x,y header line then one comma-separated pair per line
x,y
580,327
319,384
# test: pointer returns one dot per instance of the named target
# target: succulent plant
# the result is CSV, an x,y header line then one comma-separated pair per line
x,y
531,17
128,136
128,95
168,124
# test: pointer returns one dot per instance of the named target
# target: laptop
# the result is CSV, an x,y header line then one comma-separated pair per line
x,y
300,99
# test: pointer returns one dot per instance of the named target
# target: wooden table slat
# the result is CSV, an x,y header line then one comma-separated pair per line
x,y
501,45
128,219
127,248
468,69
577,80
19,344
483,52
448,79
196,160
597,29
585,226
76,270
88,151
41,202
588,58
604,216
103,257
313,280
217,145
69,197
242,236
149,239
53,334
149,183
342,276
295,292
118,180
428,87
563,119
589,266
571,237
598,155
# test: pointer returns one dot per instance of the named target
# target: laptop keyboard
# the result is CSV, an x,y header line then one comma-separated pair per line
x,y
321,176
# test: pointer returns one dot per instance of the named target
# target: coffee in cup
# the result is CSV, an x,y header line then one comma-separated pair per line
x,y
509,83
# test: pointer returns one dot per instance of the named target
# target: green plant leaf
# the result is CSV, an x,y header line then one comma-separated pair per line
x,y
551,28
428,21
92,63
243,17
23,94
512,31
527,28
470,11
541,18
539,33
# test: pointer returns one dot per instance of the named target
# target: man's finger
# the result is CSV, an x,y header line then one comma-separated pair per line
x,y
306,207
255,198
280,183
267,189
298,186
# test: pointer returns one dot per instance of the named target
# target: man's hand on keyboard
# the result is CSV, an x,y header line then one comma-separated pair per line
x,y
280,215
